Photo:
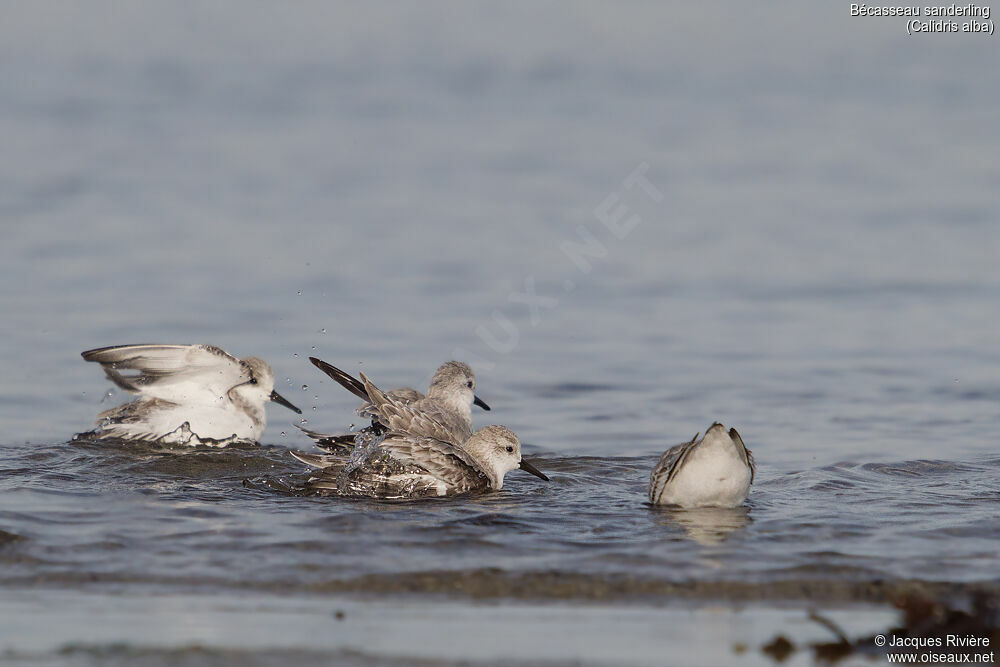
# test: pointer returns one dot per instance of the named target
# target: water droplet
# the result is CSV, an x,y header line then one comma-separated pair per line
x,y
314,407
298,293
323,330
314,347
305,387
303,421
295,355
282,434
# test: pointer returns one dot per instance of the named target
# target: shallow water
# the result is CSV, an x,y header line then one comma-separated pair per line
x,y
814,263
218,520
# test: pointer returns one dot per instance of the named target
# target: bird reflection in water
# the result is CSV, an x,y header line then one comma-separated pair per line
x,y
707,526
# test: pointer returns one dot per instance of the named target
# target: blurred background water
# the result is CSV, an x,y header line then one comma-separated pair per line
x,y
380,186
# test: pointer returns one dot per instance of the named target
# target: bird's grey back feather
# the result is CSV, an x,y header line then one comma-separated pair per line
x,y
401,467
411,419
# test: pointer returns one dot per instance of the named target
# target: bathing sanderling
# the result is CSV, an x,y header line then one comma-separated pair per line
x,y
188,395
418,456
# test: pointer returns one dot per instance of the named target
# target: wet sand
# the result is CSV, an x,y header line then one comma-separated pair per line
x,y
64,628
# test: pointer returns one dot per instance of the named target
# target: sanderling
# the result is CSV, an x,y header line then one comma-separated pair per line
x,y
418,456
449,400
189,395
716,471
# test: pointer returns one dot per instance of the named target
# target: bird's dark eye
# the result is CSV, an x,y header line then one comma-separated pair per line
x,y
253,380
510,449
469,384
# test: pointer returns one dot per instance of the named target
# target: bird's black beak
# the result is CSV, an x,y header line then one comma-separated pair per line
x,y
527,467
278,398
480,402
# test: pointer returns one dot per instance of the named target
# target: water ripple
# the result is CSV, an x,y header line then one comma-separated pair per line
x,y
141,514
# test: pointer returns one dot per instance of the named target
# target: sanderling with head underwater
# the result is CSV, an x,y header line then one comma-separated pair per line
x,y
188,395
449,400
419,457
716,471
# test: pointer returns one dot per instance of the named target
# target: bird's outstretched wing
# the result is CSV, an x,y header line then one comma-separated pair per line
x,y
356,387
345,380
333,443
321,461
179,373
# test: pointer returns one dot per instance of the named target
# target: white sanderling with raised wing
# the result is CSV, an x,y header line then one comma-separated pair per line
x,y
188,395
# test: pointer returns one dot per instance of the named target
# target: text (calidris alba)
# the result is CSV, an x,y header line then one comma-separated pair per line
x,y
189,395
716,471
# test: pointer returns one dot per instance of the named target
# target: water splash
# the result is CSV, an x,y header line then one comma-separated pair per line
x,y
366,444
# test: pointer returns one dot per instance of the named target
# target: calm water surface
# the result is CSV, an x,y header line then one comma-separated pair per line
x,y
814,262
